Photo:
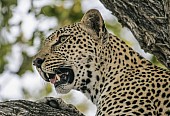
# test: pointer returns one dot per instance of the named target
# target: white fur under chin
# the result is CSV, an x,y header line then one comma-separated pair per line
x,y
64,89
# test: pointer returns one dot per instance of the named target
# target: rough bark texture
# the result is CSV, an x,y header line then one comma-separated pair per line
x,y
149,21
29,108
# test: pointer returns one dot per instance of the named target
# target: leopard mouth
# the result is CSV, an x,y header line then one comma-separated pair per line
x,y
62,75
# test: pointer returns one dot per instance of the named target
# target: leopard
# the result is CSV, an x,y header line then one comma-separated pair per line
x,y
86,57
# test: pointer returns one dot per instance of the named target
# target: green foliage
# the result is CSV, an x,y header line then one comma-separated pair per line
x,y
26,64
64,16
5,15
5,49
6,11
60,12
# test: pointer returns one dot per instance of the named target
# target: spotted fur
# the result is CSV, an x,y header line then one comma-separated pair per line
x,y
111,74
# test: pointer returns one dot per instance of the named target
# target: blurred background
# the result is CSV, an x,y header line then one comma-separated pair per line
x,y
24,24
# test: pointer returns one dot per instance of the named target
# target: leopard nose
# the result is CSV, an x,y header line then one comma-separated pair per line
x,y
38,62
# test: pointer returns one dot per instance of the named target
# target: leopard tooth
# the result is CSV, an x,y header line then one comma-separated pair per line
x,y
47,75
57,77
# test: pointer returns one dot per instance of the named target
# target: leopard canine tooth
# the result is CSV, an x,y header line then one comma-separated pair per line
x,y
57,77
47,75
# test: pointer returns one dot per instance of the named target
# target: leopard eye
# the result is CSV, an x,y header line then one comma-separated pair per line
x,y
61,39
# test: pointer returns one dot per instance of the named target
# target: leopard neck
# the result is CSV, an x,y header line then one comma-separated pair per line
x,y
117,55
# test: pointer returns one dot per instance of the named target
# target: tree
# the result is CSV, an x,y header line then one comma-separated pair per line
x,y
149,20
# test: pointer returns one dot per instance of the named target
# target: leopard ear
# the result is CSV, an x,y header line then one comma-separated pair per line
x,y
93,22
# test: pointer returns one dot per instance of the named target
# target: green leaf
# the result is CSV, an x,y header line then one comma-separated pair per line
x,y
48,11
8,2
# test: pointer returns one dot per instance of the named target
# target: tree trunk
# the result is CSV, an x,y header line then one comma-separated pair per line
x,y
149,21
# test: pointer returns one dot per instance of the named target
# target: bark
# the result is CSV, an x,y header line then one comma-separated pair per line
x,y
29,108
149,21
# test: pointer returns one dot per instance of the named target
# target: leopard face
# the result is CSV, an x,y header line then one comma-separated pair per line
x,y
85,57
70,55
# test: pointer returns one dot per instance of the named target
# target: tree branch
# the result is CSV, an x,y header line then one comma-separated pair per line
x,y
29,108
149,21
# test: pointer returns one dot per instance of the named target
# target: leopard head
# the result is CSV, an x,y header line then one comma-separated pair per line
x,y
70,57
